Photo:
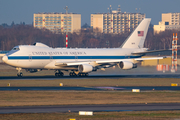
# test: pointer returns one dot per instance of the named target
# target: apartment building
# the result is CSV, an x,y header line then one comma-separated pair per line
x,y
116,21
169,21
57,22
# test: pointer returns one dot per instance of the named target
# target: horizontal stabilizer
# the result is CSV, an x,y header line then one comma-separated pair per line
x,y
150,58
135,53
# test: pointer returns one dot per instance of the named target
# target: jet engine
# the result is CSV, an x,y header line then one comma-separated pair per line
x,y
85,68
127,65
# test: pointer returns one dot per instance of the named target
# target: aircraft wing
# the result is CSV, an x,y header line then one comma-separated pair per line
x,y
104,62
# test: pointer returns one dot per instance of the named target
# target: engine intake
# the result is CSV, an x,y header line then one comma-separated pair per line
x,y
85,68
127,65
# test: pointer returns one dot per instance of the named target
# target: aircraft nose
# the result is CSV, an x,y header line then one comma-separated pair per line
x,y
5,58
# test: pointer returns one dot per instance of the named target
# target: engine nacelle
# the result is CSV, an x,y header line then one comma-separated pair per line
x,y
127,65
85,68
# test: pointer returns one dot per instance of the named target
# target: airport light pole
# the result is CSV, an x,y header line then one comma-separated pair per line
x,y
66,8
174,53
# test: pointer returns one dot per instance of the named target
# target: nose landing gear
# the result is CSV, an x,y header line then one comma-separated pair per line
x,y
19,74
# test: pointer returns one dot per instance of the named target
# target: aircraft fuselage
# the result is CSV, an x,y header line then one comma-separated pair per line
x,y
37,57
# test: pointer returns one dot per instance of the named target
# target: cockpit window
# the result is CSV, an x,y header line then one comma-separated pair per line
x,y
15,49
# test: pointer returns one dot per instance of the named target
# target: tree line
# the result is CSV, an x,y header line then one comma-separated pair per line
x,y
26,34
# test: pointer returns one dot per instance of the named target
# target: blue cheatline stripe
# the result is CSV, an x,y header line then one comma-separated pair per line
x,y
69,57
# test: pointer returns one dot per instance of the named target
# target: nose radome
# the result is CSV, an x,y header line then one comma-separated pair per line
x,y
5,58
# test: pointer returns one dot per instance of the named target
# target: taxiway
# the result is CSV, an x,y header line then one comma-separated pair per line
x,y
94,108
120,88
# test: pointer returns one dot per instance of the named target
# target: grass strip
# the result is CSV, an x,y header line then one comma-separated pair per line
x,y
29,98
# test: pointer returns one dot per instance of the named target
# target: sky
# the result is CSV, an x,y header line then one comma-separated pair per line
x,y
23,10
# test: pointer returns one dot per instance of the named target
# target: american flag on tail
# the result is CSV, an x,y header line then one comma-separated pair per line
x,y
140,33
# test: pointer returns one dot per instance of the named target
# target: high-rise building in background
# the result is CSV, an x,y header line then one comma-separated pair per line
x,y
115,21
169,21
57,22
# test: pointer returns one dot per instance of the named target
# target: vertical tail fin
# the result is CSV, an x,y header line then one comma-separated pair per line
x,y
138,36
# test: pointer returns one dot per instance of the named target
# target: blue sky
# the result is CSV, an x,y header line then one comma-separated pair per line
x,y
23,10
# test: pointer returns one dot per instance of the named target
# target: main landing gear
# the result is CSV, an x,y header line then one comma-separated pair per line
x,y
79,74
19,74
72,74
59,73
83,74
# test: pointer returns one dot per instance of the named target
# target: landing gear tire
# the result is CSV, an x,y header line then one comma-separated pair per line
x,y
59,74
86,74
19,74
79,74
83,74
72,74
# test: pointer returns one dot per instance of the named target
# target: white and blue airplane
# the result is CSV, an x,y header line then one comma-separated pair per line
x,y
80,61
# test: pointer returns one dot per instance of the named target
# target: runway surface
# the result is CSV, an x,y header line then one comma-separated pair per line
x,y
94,76
94,108
123,88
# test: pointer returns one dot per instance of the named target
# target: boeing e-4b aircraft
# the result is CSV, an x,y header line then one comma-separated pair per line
x,y
80,61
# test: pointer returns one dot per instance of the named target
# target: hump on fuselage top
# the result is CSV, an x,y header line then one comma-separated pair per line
x,y
40,44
